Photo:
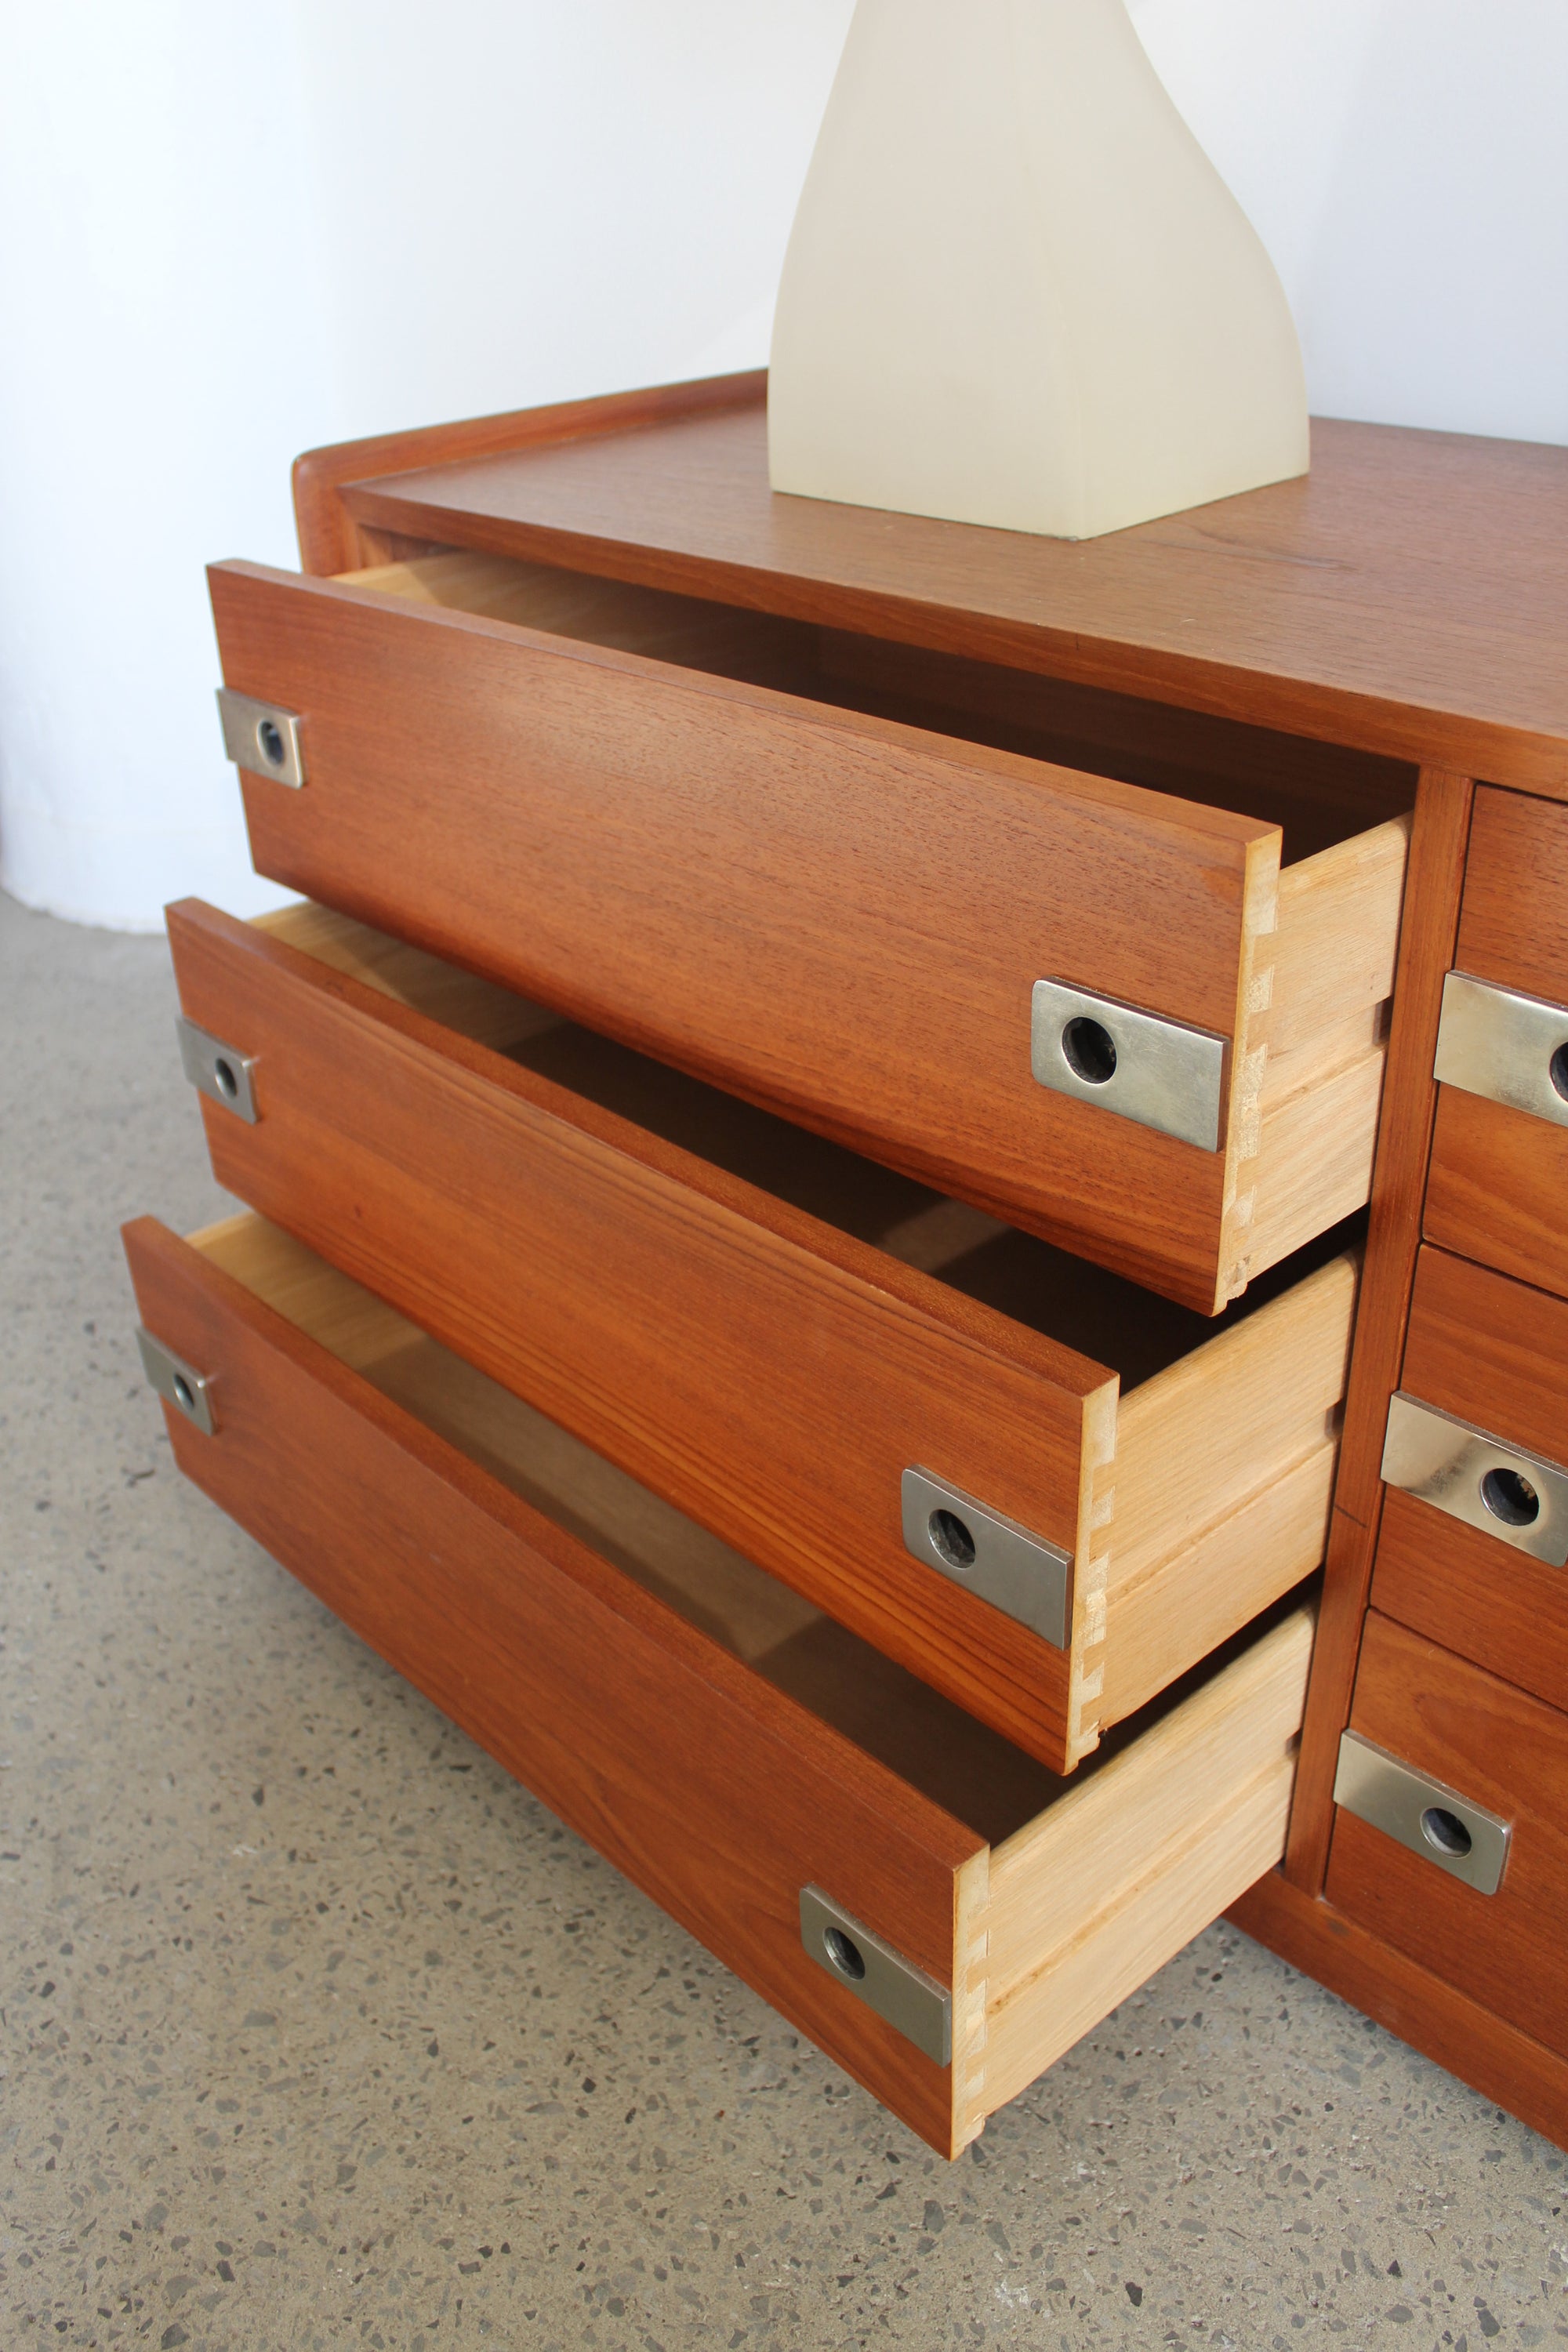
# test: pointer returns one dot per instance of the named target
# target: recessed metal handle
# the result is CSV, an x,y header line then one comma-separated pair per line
x,y
177,1382
990,1556
1432,1820
1520,1498
1158,1073
902,1995
261,738
1510,1048
217,1070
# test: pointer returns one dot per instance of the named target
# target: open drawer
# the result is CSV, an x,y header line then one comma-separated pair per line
x,y
1045,1492
938,1913
1031,943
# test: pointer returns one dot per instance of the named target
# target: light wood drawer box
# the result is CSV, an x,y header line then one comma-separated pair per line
x,y
826,873
1495,1748
1499,1180
769,1331
713,1736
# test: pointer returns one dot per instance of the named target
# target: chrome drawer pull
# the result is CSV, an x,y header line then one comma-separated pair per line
x,y
1519,1498
1510,1048
1432,1820
217,1070
903,1996
1157,1072
1021,1574
261,738
177,1382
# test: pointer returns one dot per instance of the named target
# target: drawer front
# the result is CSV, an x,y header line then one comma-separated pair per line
x,y
1513,924
795,1388
702,1784
1481,1598
1475,1519
839,916
1497,1750
1499,1149
774,1380
1494,1354
1497,1187
700,1775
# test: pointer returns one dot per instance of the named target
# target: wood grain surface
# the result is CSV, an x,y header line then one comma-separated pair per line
x,y
771,1371
1514,926
1498,1187
770,1375
1490,1351
1083,1905
826,912
1427,927
1478,1598
1500,1178
1409,596
329,538
711,1791
1504,1750
1458,2032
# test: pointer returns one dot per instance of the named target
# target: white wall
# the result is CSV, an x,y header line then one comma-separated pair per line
x,y
1406,162
233,229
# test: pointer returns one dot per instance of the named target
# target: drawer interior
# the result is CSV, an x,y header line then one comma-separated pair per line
x,y
1319,794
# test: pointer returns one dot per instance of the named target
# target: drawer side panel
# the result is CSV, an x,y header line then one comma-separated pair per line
x,y
1085,1903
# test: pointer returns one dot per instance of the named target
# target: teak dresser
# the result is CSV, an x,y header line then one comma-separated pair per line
x,y
809,1142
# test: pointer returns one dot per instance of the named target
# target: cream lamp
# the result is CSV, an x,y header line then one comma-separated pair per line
x,y
1016,291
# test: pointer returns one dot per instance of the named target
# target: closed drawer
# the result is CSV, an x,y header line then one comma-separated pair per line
x,y
812,1356
1476,1595
1474,1534
1499,1149
780,858
1496,1763
727,1747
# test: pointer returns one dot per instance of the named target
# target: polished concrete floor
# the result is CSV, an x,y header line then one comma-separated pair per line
x,y
318,2031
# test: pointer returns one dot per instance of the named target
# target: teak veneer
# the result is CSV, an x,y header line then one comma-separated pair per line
x,y
1507,1611
1499,1177
1504,1750
675,842
715,1738
768,1330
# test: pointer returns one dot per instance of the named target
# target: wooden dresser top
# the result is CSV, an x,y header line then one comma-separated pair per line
x,y
1408,596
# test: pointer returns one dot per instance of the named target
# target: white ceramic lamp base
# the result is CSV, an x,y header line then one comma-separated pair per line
x,y
1016,291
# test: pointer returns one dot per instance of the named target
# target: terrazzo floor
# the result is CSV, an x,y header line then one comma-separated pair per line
x,y
318,2032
